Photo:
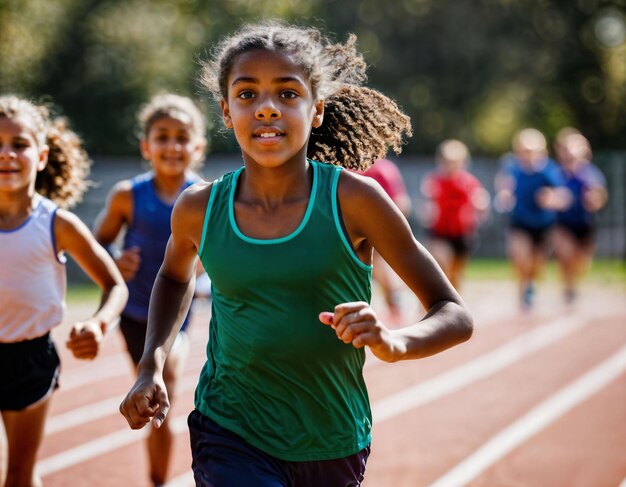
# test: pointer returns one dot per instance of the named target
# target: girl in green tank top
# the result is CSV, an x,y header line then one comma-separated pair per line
x,y
287,241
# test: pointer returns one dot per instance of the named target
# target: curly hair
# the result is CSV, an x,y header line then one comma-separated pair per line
x,y
360,124
178,107
64,179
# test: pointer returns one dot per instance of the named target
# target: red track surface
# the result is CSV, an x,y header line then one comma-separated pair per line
x,y
514,406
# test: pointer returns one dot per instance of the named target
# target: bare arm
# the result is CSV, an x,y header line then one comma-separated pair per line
x,y
504,199
116,215
73,237
372,220
169,303
594,198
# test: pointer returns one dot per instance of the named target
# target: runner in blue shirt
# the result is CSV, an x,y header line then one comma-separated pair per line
x,y
531,188
173,140
574,234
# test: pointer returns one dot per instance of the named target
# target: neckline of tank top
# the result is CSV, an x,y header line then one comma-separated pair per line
x,y
278,240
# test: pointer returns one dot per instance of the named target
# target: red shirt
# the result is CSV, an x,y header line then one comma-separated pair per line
x,y
454,215
387,174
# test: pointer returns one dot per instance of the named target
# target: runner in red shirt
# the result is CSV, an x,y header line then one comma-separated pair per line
x,y
456,204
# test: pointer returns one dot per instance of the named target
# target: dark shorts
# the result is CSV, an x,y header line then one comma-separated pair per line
x,y
223,459
461,245
29,370
584,235
538,236
134,332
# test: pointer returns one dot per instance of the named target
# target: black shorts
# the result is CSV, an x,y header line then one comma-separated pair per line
x,y
584,234
29,370
538,236
462,245
134,332
222,458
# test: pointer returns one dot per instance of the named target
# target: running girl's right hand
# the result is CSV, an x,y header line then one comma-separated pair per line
x,y
86,338
147,401
128,262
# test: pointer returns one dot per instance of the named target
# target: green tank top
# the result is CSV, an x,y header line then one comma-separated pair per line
x,y
275,375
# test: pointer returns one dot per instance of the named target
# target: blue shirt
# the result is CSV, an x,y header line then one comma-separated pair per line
x,y
149,230
585,178
527,182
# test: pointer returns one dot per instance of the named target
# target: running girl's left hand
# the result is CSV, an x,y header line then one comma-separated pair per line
x,y
85,339
358,324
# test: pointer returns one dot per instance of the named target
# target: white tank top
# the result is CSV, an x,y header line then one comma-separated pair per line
x,y
32,277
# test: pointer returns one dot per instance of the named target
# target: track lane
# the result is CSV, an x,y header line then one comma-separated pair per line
x,y
412,453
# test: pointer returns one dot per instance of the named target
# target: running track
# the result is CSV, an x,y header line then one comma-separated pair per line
x,y
531,400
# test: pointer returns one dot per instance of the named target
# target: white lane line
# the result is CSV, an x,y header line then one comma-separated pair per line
x,y
428,391
535,420
100,446
98,370
79,416
119,364
476,369
98,410
385,409
108,368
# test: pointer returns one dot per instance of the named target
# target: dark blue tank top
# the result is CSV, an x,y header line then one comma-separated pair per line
x,y
577,216
149,230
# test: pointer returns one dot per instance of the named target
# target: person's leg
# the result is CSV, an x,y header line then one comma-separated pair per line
x,y
580,265
566,253
4,452
457,269
585,251
24,432
29,374
520,252
220,458
160,439
541,249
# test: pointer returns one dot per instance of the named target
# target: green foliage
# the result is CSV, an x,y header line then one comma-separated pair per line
x,y
30,31
476,70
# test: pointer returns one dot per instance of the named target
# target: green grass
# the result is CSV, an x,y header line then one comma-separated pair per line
x,y
81,292
609,271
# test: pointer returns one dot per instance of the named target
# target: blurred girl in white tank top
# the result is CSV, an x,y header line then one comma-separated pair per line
x,y
42,170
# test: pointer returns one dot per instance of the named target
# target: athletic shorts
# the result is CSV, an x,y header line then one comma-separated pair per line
x,y
584,235
538,236
29,371
461,245
134,332
221,458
